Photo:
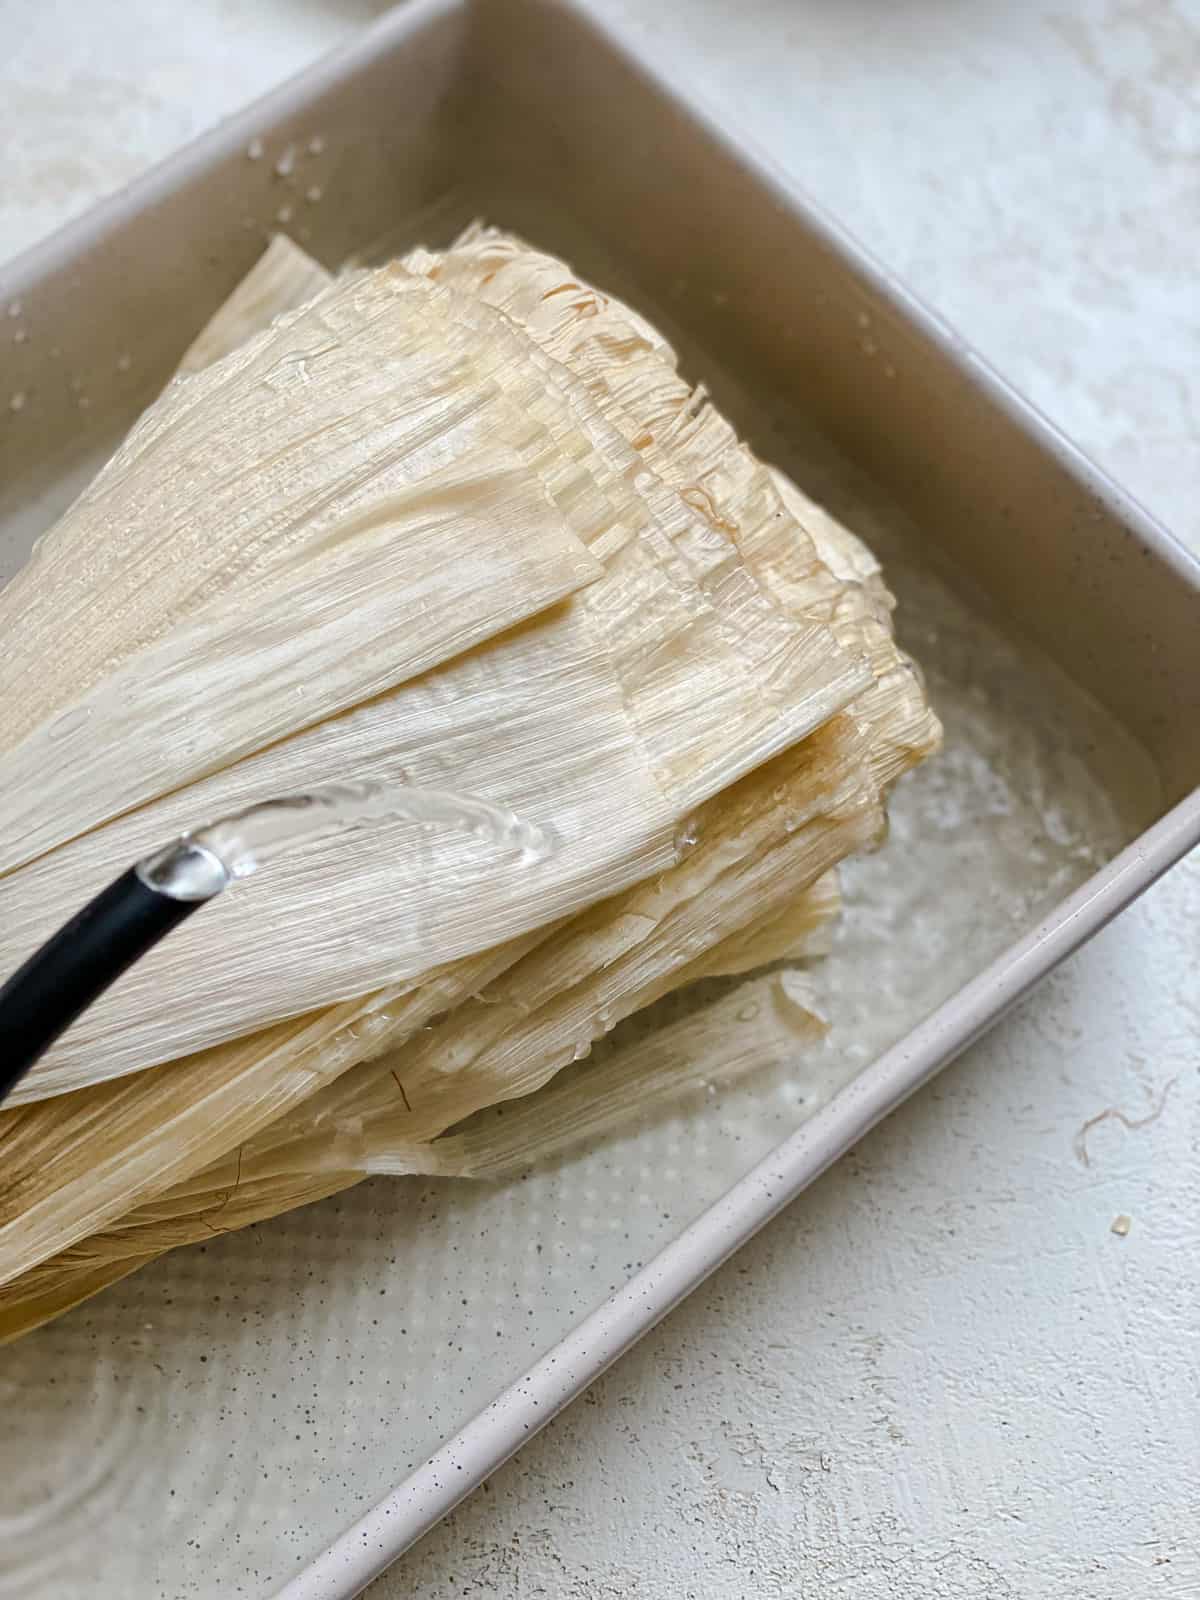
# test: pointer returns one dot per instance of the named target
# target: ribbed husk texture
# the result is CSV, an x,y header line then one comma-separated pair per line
x,y
455,521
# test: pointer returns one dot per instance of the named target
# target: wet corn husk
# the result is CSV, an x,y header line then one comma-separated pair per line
x,y
764,1024
757,711
672,674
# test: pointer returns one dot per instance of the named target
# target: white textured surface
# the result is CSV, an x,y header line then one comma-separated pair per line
x,y
940,1373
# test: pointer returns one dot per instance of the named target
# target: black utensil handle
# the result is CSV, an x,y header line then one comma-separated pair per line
x,y
59,981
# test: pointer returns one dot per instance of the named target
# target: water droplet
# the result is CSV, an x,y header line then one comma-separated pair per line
x,y
315,145
70,722
284,214
84,402
17,402
21,336
289,370
254,150
14,309
864,319
124,362
287,161
76,385
747,1013
687,836
313,193
869,347
889,370
456,1054
582,1049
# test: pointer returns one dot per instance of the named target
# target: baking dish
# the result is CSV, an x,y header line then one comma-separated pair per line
x,y
284,1378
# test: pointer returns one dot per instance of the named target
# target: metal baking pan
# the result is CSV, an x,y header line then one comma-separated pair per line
x,y
210,1425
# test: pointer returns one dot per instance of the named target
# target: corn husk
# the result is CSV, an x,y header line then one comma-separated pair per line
x,y
806,560
243,678
211,1090
656,487
77,1162
802,932
538,1014
667,679
754,854
762,1025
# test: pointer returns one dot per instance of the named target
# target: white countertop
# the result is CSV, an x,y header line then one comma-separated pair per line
x,y
941,1373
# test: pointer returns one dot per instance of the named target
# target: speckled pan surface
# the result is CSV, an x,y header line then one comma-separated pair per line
x,y
210,1425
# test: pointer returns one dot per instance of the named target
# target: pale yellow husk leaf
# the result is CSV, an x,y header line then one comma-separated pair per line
x,y
749,540
801,932
765,1023
668,678
241,678
207,1092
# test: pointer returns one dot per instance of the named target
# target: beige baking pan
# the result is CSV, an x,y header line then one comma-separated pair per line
x,y
213,1424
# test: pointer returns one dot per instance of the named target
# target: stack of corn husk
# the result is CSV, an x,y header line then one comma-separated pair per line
x,y
459,522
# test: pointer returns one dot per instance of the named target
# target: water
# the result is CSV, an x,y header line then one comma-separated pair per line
x,y
68,723
687,837
252,838
87,1458
297,1368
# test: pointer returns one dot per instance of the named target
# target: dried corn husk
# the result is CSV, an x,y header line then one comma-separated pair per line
x,y
74,1163
763,1024
241,678
806,560
801,932
653,482
538,1015
757,848
665,681
68,1205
